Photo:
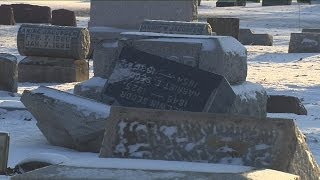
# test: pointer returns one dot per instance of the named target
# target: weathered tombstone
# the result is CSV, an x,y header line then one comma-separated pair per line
x,y
276,2
176,27
67,120
285,104
53,41
225,26
213,138
144,80
26,13
52,70
314,30
304,43
4,152
8,73
228,3
6,15
63,17
247,37
111,13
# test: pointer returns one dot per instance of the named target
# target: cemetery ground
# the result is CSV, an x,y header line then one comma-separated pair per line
x,y
295,74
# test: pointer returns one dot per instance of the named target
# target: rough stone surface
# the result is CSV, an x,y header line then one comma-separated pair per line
x,y
26,13
4,151
225,26
247,37
176,27
144,80
214,138
47,69
92,88
114,172
111,13
67,120
6,15
304,43
8,72
63,17
53,41
285,104
276,2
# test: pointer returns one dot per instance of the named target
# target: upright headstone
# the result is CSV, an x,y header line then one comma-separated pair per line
x,y
304,43
247,37
313,30
26,13
8,73
53,41
225,26
176,27
144,80
206,137
228,3
276,2
63,17
6,15
130,14
4,152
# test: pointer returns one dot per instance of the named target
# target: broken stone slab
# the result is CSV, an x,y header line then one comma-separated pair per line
x,y
276,2
210,53
4,151
27,13
247,37
8,72
92,88
305,30
225,26
176,27
48,69
63,17
67,120
304,43
111,13
144,80
285,104
53,41
6,15
205,137
128,169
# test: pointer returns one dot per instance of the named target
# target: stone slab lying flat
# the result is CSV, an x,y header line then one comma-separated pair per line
x,y
247,37
304,43
47,69
67,120
213,138
128,169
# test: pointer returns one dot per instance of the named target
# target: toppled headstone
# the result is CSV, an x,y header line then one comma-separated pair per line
x,y
53,41
63,17
26,13
6,15
92,88
225,26
4,152
307,30
67,120
276,2
176,27
213,138
48,69
285,104
247,37
304,43
144,80
111,13
128,169
8,72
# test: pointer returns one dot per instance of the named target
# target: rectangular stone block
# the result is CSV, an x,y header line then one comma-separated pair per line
x,y
304,43
6,15
176,27
307,30
247,37
4,152
129,14
276,2
27,13
8,73
225,26
47,69
213,138
144,80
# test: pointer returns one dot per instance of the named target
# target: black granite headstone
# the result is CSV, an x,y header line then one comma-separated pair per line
x,y
144,80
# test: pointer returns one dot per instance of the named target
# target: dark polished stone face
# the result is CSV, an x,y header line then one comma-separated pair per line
x,y
148,81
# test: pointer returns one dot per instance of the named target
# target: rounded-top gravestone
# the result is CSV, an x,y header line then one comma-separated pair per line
x,y
53,41
8,72
63,17
6,15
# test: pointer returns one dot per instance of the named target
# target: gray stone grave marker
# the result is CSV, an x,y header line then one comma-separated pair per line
x,y
225,26
4,151
8,72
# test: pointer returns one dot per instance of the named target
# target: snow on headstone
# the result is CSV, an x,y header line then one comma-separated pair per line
x,y
8,72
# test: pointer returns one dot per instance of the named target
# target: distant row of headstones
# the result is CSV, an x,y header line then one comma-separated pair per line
x,y
227,3
26,13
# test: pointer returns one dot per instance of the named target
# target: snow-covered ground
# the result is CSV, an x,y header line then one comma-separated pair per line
x,y
278,71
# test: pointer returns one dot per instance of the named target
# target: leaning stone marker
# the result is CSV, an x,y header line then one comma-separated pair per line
x,y
213,138
8,73
225,26
67,120
176,27
144,80
6,15
63,17
53,41
304,43
4,152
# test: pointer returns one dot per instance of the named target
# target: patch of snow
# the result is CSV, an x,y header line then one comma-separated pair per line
x,y
261,146
169,131
248,90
